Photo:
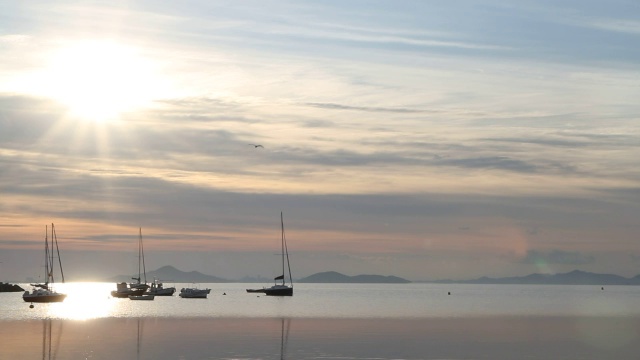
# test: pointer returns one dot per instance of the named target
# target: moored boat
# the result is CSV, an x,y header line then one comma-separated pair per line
x,y
124,291
194,293
158,289
142,297
282,289
142,270
44,293
279,290
137,288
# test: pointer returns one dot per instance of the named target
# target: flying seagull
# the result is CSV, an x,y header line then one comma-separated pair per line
x,y
257,146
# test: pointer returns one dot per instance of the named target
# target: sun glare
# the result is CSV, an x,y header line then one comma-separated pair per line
x,y
100,80
84,301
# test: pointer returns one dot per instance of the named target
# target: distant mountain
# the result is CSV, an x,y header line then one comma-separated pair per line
x,y
169,273
575,277
336,277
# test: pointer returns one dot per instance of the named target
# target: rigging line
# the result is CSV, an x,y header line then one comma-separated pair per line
x,y
286,337
46,255
44,337
144,268
284,240
54,235
282,243
55,351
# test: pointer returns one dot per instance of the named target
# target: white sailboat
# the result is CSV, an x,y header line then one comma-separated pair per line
x,y
44,293
282,289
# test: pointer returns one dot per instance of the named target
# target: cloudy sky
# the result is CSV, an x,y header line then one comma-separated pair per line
x,y
423,139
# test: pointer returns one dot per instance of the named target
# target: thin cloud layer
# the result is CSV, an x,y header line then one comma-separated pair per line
x,y
557,257
417,139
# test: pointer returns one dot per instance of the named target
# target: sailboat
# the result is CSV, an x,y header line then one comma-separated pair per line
x,y
137,288
282,289
142,270
44,293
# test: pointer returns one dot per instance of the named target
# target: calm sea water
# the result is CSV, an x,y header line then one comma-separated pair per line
x,y
330,321
92,300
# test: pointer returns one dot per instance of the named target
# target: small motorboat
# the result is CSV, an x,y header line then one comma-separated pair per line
x,y
141,297
124,291
255,290
159,290
194,293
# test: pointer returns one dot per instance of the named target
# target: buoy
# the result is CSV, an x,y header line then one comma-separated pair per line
x,y
31,306
224,293
449,293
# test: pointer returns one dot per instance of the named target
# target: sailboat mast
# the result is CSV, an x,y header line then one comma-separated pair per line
x,y
144,268
139,263
46,255
54,237
286,251
282,244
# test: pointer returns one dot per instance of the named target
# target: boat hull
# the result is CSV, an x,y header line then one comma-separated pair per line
x,y
190,293
193,296
142,287
162,292
279,291
126,294
44,298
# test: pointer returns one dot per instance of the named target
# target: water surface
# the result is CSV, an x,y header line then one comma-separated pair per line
x,y
330,321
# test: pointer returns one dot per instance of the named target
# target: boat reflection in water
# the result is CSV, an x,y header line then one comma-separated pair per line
x,y
284,337
543,338
49,350
139,337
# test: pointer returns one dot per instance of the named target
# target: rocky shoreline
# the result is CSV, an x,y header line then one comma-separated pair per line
x,y
6,287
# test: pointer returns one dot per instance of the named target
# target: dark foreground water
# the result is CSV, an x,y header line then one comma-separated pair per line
x,y
416,321
244,338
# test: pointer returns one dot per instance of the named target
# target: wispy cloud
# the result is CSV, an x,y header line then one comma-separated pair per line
x,y
406,131
392,37
14,38
365,108
557,257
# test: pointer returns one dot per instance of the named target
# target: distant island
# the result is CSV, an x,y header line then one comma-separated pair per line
x,y
171,274
6,287
576,277
336,277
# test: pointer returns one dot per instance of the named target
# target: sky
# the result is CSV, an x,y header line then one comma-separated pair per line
x,y
422,139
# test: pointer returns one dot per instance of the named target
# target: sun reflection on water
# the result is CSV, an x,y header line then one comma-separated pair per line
x,y
85,300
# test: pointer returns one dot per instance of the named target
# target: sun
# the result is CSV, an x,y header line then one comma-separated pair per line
x,y
99,80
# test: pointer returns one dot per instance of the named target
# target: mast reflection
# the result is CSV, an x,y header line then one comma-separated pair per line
x,y
49,350
139,338
284,337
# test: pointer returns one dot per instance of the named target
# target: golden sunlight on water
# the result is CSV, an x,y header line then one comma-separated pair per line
x,y
85,300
